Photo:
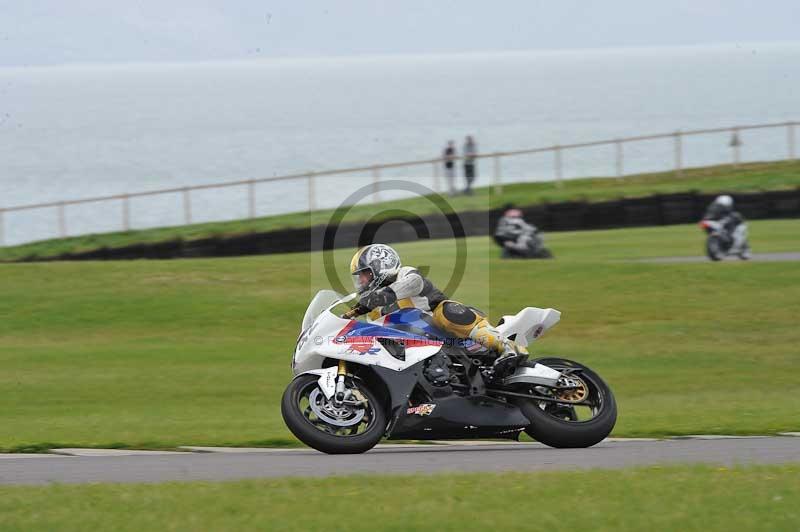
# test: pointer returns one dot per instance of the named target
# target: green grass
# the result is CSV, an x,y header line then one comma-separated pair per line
x,y
699,498
746,178
196,352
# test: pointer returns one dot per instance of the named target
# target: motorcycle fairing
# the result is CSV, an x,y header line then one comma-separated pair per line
x,y
528,324
451,417
354,341
458,417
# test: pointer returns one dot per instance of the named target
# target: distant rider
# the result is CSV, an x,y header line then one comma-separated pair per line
x,y
385,286
513,232
721,210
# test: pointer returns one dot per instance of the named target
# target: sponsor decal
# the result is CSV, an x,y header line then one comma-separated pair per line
x,y
421,410
330,380
362,349
359,345
538,332
474,347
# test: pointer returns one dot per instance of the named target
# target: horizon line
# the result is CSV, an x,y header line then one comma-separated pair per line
x,y
233,60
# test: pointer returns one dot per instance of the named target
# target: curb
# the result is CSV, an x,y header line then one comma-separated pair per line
x,y
108,452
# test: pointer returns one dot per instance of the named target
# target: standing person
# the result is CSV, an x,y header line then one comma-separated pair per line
x,y
449,157
470,151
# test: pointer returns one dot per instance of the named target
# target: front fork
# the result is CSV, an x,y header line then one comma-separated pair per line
x,y
339,396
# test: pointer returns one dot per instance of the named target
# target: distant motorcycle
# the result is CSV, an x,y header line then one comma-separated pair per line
x,y
518,238
530,245
721,242
402,378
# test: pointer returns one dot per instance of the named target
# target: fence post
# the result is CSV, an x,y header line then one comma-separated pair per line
x,y
436,184
187,206
620,159
790,139
312,191
558,165
251,198
678,153
62,220
498,179
736,144
2,228
126,213
376,177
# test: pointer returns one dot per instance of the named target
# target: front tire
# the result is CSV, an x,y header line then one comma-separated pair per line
x,y
714,248
558,425
323,433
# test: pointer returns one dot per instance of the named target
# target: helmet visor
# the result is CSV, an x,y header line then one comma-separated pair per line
x,y
362,279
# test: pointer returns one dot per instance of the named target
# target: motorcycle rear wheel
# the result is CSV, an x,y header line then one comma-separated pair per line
x,y
558,425
357,431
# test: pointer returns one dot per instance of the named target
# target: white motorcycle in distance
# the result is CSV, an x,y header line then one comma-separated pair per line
x,y
400,377
722,243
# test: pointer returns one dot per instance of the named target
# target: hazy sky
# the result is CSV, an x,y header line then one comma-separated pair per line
x,y
63,31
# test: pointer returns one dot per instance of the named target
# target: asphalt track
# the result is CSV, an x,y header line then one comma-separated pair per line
x,y
757,257
414,459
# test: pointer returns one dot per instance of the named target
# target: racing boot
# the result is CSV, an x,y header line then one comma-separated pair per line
x,y
509,360
511,355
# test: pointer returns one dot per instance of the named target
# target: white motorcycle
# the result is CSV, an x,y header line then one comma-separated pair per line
x,y
400,377
721,242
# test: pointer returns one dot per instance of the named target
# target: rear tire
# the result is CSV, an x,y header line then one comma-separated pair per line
x,y
314,437
560,433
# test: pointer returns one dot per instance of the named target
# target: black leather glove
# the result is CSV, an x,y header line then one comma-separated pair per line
x,y
378,298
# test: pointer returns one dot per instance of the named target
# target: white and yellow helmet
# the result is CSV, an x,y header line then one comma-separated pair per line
x,y
379,259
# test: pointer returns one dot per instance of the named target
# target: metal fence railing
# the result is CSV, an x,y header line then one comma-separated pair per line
x,y
60,222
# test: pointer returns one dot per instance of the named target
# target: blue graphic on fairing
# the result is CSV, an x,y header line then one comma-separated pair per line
x,y
404,324
413,319
362,329
360,338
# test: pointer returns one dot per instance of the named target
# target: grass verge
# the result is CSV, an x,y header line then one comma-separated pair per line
x,y
701,498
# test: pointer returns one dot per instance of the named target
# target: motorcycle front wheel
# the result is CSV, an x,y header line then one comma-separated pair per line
x,y
333,429
714,248
586,415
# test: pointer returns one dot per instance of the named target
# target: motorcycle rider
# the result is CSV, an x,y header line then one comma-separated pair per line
x,y
513,232
385,285
721,210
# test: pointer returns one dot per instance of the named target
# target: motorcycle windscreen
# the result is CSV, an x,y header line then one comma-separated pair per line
x,y
321,301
